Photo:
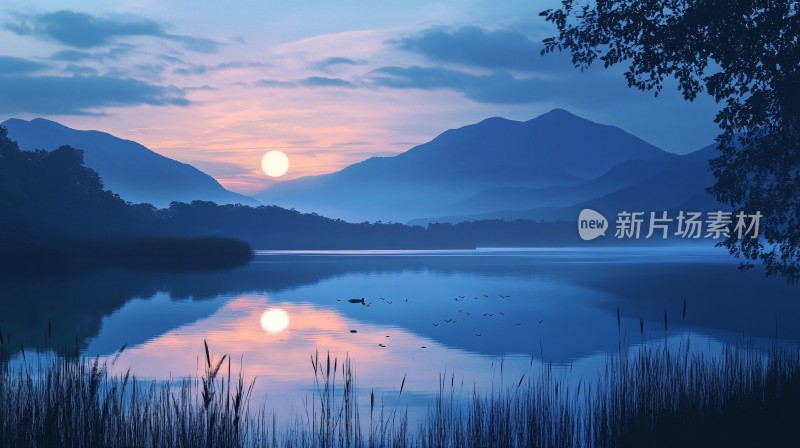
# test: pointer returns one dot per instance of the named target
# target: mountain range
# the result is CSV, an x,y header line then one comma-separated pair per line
x,y
127,168
547,168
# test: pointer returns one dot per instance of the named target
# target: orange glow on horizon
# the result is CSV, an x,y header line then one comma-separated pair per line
x,y
226,133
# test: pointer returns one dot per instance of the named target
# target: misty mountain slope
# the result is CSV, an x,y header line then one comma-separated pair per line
x,y
554,149
683,182
127,168
678,184
623,175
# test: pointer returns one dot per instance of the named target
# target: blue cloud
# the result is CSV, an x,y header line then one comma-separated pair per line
x,y
76,69
201,69
80,56
196,44
321,81
171,59
333,62
311,81
81,95
241,64
501,66
148,70
10,65
275,83
85,31
198,69
477,47
498,87
72,56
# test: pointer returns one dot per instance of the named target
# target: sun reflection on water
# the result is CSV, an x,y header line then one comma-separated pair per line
x,y
277,350
274,320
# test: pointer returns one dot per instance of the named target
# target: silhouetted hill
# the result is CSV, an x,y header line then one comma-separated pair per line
x,y
554,149
127,168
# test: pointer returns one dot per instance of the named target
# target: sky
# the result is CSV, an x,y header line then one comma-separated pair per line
x,y
218,84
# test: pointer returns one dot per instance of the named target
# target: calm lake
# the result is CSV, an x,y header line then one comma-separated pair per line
x,y
425,314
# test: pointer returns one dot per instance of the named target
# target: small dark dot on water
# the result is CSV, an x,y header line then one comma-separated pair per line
x,y
387,335
353,331
424,346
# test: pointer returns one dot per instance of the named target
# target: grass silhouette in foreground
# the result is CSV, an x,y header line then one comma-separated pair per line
x,y
653,397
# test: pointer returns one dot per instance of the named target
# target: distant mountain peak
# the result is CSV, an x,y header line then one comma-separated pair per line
x,y
557,148
39,123
558,112
45,121
562,116
492,120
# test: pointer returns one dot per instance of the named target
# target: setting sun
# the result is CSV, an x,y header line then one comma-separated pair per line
x,y
275,163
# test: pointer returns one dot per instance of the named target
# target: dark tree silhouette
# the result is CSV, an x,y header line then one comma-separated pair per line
x,y
55,214
52,194
746,55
